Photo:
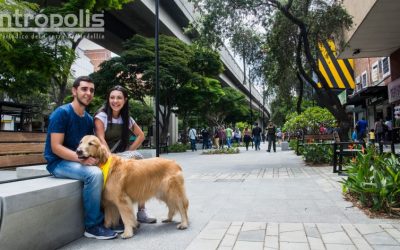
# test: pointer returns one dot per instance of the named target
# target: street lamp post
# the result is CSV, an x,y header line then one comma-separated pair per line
x,y
157,87
251,110
244,83
263,105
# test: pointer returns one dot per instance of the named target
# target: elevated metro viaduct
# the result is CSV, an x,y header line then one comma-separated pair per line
x,y
139,18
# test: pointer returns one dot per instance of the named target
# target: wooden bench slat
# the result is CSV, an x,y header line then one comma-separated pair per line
x,y
21,148
313,139
21,160
319,137
9,136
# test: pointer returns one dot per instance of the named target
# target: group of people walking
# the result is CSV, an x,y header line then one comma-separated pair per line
x,y
380,131
226,136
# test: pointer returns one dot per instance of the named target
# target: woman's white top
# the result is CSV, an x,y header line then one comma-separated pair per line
x,y
102,116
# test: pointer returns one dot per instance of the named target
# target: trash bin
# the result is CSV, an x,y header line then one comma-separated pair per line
x,y
284,146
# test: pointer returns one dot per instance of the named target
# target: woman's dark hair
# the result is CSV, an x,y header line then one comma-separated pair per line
x,y
125,133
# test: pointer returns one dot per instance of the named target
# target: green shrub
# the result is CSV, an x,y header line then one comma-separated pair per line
x,y
309,120
293,144
222,151
178,147
374,180
317,153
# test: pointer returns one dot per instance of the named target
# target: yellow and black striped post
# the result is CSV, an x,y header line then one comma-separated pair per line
x,y
339,74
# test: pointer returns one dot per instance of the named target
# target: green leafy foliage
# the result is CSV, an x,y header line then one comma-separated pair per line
x,y
309,120
22,66
7,42
289,32
178,148
317,153
281,107
95,5
230,108
141,112
293,144
375,181
187,86
42,63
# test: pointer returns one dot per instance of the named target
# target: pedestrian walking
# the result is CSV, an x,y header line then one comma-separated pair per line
x,y
256,133
222,137
192,137
246,137
216,139
361,129
228,132
238,136
271,136
379,132
205,136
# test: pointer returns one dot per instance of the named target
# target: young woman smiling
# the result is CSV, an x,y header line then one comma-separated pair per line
x,y
114,127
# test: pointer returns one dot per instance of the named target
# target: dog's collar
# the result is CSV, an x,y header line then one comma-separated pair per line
x,y
105,169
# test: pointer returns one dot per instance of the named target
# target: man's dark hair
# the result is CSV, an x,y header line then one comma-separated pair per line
x,y
80,79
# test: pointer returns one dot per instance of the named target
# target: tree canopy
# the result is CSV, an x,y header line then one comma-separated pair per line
x,y
310,120
42,62
289,30
186,75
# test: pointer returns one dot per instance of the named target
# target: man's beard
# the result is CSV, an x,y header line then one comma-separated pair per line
x,y
81,103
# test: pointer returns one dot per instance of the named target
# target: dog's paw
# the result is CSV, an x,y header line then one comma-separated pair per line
x,y
181,226
167,221
127,235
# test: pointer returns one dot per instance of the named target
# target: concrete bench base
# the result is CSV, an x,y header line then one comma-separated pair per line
x,y
30,171
44,213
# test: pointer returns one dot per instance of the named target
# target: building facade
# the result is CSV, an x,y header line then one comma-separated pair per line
x,y
374,43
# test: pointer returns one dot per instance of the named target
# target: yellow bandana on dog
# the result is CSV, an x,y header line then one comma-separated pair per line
x,y
105,168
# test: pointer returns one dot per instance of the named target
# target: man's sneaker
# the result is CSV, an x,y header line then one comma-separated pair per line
x,y
144,218
100,232
118,228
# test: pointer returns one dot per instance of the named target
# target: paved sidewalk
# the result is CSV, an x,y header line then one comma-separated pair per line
x,y
259,200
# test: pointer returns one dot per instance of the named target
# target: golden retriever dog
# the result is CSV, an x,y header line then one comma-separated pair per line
x,y
131,181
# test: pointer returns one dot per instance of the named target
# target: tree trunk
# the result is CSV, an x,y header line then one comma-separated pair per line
x,y
185,124
301,88
165,116
327,98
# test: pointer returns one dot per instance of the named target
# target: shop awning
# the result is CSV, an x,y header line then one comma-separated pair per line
x,y
360,96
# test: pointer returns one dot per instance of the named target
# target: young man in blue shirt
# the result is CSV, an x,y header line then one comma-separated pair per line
x,y
68,124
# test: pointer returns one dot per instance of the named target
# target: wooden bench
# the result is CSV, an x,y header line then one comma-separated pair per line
x,y
341,149
21,148
313,139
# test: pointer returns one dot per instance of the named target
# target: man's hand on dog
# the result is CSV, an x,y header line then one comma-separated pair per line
x,y
90,161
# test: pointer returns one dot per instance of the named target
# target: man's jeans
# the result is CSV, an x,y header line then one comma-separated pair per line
x,y
193,144
229,142
257,140
205,143
271,141
92,178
